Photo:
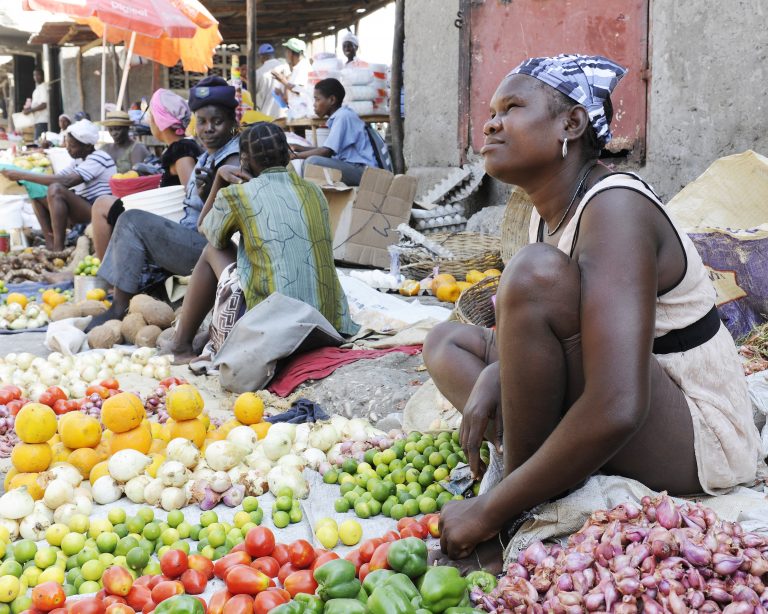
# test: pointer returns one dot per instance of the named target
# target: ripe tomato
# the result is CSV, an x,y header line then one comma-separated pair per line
x,y
414,530
281,554
6,396
269,599
119,608
138,596
14,391
48,596
172,381
223,565
432,522
117,580
217,601
166,590
239,604
353,556
323,558
57,392
301,581
174,563
100,390
14,407
391,536
285,571
61,407
144,581
363,571
368,547
267,565
301,553
379,558
404,522
259,541
90,605
238,548
110,599
46,398
59,611
242,579
199,563
148,607
110,383
194,581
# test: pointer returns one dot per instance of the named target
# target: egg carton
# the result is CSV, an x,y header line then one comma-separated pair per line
x,y
439,211
442,222
452,228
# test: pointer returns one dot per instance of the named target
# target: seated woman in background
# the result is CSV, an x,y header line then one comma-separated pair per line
x,y
125,151
169,116
348,147
607,339
285,238
141,238
71,192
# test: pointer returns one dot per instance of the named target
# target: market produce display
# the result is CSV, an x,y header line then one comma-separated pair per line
x,y
146,320
444,286
31,264
88,266
35,162
20,312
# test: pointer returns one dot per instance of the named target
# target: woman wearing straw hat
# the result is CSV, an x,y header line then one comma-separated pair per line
x,y
607,333
124,150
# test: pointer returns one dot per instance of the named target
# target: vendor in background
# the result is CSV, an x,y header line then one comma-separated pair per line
x,y
65,121
169,116
267,82
124,150
71,192
142,238
38,106
348,147
296,83
606,330
349,46
285,244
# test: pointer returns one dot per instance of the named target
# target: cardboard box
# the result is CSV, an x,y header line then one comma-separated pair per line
x,y
364,220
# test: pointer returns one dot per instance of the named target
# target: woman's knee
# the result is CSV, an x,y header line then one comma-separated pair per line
x,y
538,270
57,190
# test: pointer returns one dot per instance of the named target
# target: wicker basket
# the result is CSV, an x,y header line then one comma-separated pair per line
x,y
514,226
457,268
475,305
462,245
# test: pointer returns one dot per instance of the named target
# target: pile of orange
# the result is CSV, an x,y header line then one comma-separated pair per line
x,y
184,405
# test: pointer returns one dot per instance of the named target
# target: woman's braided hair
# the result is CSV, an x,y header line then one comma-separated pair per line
x,y
265,144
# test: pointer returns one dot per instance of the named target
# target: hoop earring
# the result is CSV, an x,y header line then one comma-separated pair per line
x,y
565,147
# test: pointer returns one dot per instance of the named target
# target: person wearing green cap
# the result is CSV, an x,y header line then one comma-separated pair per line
x,y
296,84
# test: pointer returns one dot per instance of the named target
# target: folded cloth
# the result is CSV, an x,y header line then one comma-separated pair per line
x,y
302,410
321,362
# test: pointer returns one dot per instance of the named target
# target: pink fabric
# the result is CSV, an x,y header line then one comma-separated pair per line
x,y
169,110
320,363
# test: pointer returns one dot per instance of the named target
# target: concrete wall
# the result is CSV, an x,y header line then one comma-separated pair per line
x,y
431,83
707,95
139,84
709,62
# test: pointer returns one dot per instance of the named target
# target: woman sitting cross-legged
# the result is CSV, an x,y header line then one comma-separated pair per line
x,y
285,238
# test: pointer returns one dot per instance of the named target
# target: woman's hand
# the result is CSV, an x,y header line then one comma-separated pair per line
x,y
231,173
482,408
463,525
11,174
203,182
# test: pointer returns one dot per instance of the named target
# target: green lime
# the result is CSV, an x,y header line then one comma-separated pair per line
x,y
194,532
120,530
169,536
436,459
295,515
452,460
151,531
11,567
135,524
415,489
397,476
349,465
202,544
285,491
107,542
397,511
125,545
440,473
24,550
380,491
116,515
346,487
257,516
375,507
106,559
181,545
69,589
152,568
427,505
386,507
387,456
183,528
413,436
146,545
281,519
283,504
208,552
45,557
369,456
71,563
361,479
175,518
331,476
250,504
208,517
216,537
382,470
87,587
87,554
341,505
442,499
404,496
411,507
21,603
362,509
92,570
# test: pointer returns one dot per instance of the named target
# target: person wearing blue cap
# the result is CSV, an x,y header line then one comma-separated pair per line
x,y
265,100
608,355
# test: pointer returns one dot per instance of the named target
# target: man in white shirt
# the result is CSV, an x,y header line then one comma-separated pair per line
x,y
265,100
39,106
295,86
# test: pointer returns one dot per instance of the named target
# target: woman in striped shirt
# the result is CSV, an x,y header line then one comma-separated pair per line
x,y
71,192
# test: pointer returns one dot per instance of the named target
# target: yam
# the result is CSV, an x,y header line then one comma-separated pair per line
x,y
105,336
154,311
91,308
165,339
132,324
64,311
147,336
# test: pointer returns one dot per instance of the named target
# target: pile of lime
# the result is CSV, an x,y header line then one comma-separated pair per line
x,y
403,480
286,509
88,266
3,287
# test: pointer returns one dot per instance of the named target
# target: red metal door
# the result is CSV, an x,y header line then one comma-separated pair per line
x,y
505,32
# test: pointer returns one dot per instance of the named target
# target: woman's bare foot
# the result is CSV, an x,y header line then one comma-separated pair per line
x,y
182,352
488,555
57,277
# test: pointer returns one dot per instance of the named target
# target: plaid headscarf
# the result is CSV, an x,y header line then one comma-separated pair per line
x,y
587,79
265,144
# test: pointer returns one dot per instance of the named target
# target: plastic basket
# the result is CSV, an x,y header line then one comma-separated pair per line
x,y
475,305
126,187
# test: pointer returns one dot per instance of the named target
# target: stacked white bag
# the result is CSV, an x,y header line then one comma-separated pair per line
x,y
367,88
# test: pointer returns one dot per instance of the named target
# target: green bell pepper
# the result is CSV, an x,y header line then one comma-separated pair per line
x,y
362,596
405,585
312,603
376,577
344,606
292,607
389,600
180,604
441,588
484,580
336,580
408,556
